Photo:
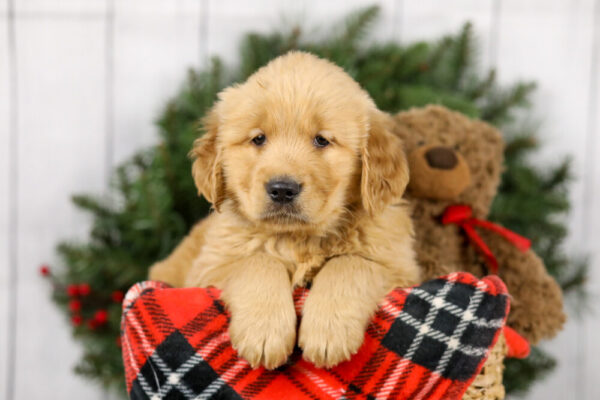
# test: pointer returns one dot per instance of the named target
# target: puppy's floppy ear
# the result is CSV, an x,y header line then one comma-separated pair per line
x,y
207,167
384,166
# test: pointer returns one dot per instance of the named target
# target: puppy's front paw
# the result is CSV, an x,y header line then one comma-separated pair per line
x,y
328,336
264,337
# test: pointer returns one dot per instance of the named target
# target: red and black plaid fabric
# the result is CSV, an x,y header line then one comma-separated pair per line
x,y
425,342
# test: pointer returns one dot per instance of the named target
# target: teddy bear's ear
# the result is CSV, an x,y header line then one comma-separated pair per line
x,y
207,167
384,166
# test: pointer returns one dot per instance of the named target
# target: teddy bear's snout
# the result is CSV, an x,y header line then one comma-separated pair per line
x,y
441,157
437,172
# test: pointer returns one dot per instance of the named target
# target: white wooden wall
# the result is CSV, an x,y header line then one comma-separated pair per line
x,y
81,82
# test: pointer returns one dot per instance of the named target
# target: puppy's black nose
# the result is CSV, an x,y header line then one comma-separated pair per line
x,y
441,157
282,190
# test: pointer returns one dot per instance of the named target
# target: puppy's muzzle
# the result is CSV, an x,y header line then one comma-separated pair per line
x,y
283,190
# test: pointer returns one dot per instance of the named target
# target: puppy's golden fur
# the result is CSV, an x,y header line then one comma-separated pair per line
x,y
348,231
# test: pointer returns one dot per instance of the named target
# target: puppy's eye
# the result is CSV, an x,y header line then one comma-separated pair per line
x,y
456,147
420,143
320,141
259,140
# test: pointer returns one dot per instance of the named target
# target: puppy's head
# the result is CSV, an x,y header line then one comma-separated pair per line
x,y
299,146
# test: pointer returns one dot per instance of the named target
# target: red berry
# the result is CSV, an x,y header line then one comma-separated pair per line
x,y
73,290
75,305
44,270
84,289
76,320
101,316
117,296
92,324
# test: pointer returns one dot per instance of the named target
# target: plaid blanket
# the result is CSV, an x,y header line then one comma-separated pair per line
x,y
425,342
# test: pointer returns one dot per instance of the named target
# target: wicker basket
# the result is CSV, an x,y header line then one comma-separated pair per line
x,y
488,384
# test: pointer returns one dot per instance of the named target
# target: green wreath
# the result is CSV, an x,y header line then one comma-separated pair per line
x,y
153,201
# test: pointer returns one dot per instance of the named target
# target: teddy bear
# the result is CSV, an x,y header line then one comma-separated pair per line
x,y
455,168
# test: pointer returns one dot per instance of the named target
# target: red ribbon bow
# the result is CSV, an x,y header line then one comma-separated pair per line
x,y
462,215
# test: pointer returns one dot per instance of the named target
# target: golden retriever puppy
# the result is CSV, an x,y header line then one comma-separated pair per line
x,y
306,181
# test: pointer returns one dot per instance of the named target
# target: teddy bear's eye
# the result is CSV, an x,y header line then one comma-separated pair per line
x,y
259,140
456,146
420,143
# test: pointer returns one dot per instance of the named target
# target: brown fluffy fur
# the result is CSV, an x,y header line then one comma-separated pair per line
x,y
536,307
352,236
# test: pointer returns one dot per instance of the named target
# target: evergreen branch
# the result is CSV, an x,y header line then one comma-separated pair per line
x,y
93,205
500,104
481,88
520,374
576,278
439,52
461,59
357,25
257,50
558,176
122,184
519,145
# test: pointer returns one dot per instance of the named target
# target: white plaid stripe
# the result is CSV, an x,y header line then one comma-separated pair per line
x,y
232,372
425,327
136,290
459,312
331,391
442,337
206,351
391,381
147,389
462,325
146,345
389,384
131,358
460,328
211,389
132,294
181,371
168,372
